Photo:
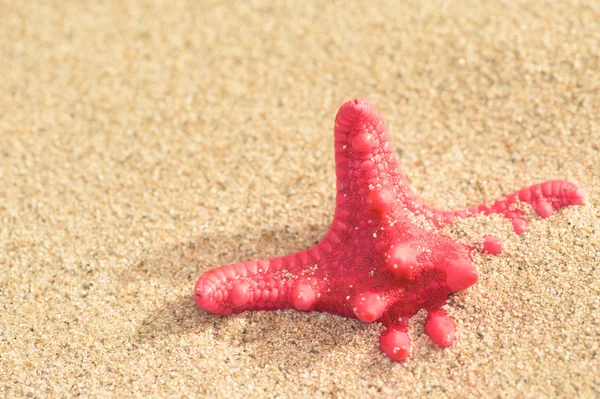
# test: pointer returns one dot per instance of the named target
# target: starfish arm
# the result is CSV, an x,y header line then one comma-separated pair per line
x,y
546,198
366,167
276,283
440,328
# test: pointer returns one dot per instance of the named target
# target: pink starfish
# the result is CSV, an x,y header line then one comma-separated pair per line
x,y
384,257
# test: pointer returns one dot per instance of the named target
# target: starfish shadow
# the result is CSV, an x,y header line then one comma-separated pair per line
x,y
262,335
183,262
177,317
284,339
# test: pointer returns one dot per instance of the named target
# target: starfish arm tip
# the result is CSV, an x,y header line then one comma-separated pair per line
x,y
395,344
440,328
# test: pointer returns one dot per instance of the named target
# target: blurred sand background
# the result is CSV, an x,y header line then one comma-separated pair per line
x,y
143,142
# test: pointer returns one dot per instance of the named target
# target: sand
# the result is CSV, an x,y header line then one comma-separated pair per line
x,y
144,142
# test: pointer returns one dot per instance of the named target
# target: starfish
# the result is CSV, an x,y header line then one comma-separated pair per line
x,y
384,257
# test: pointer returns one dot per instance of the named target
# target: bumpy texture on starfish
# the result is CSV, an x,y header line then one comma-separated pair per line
x,y
384,257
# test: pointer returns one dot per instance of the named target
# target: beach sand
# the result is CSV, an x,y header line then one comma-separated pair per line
x,y
144,142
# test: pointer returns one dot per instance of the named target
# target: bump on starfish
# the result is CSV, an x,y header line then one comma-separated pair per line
x,y
379,261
